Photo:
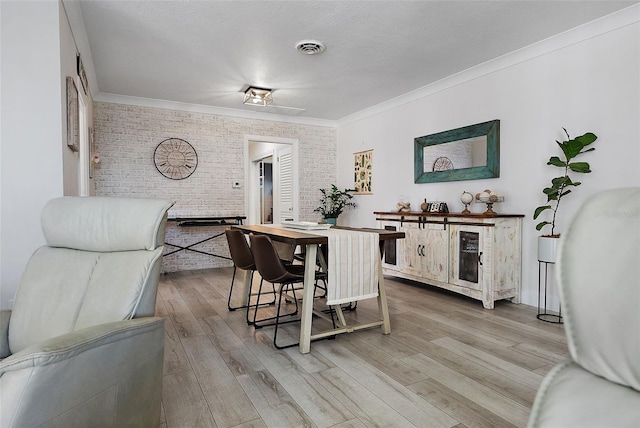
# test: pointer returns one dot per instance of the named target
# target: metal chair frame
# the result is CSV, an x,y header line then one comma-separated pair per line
x,y
242,258
274,271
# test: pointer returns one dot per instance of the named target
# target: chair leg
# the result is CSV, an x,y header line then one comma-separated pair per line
x,y
256,322
323,288
233,278
231,308
275,333
277,323
276,318
351,307
258,304
248,305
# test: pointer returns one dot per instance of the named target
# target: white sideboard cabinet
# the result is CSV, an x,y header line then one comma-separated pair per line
x,y
477,255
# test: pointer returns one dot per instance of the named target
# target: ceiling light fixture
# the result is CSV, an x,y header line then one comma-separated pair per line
x,y
310,47
255,96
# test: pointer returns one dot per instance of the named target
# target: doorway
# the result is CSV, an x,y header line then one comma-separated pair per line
x,y
266,189
271,174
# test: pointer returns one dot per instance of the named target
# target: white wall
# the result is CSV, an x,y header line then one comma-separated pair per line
x,y
37,53
587,79
31,131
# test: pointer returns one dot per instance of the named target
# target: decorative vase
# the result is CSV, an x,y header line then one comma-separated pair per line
x,y
331,220
547,246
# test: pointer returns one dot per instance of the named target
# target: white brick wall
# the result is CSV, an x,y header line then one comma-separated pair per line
x,y
126,137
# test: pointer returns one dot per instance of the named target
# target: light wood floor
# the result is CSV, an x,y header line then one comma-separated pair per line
x,y
447,362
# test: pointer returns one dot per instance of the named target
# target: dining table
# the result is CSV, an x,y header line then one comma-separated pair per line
x,y
310,240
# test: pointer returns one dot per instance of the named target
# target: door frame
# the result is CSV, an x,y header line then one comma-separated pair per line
x,y
251,191
84,179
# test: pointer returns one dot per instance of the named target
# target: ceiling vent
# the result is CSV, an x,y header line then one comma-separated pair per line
x,y
310,47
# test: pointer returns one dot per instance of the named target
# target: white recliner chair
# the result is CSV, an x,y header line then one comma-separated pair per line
x,y
81,347
598,275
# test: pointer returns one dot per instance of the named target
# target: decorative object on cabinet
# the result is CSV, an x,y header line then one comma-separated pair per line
x,y
333,202
73,115
488,197
175,158
404,207
476,255
466,198
363,168
560,186
468,153
434,207
437,207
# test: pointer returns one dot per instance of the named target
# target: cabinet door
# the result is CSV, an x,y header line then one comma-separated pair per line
x,y
428,252
467,243
411,261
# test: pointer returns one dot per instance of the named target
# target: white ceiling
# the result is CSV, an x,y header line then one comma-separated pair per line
x,y
206,52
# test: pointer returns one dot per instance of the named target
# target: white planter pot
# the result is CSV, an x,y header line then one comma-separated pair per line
x,y
547,246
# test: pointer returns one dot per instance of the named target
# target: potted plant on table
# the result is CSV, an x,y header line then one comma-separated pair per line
x,y
333,202
561,187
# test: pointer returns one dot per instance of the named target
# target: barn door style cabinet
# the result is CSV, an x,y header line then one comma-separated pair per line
x,y
472,254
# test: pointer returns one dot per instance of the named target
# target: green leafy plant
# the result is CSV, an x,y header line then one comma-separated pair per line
x,y
334,201
561,186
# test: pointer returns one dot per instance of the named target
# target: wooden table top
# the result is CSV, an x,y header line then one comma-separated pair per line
x,y
298,237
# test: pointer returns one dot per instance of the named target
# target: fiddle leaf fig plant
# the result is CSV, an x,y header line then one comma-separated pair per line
x,y
561,186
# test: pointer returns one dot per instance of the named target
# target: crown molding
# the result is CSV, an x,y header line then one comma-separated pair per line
x,y
200,108
606,24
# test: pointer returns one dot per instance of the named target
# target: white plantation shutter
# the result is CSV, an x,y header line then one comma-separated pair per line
x,y
285,179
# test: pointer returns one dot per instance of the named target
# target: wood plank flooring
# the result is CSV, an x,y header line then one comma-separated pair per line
x,y
447,362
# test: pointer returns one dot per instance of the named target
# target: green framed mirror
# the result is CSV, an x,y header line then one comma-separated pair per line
x,y
468,153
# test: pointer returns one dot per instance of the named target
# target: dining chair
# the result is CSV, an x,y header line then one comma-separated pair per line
x,y
273,270
242,258
286,252
321,266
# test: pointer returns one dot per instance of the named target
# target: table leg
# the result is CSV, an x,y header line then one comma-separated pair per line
x,y
382,301
246,290
307,298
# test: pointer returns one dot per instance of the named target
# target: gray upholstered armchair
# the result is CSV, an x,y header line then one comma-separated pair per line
x,y
597,272
81,346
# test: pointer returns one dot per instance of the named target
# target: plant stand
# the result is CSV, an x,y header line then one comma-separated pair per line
x,y
543,314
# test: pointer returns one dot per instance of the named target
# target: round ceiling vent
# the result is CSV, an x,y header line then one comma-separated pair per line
x,y
310,47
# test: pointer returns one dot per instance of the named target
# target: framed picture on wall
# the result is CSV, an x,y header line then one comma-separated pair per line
x,y
73,115
82,74
363,168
